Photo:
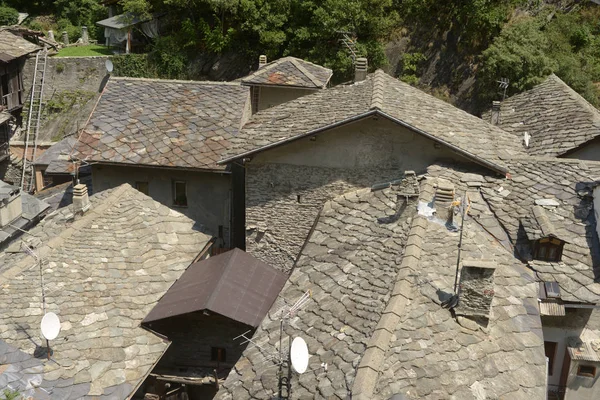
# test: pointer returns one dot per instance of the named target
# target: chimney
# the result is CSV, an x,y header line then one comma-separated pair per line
x,y
444,197
262,61
361,66
476,289
11,206
81,201
495,113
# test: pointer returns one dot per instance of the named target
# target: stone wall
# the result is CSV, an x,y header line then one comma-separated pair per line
x,y
286,187
72,85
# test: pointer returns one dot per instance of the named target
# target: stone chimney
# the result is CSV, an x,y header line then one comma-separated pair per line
x,y
81,201
262,61
476,289
11,206
495,113
444,197
361,67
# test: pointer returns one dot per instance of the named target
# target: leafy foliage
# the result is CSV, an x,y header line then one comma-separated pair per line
x,y
532,48
8,16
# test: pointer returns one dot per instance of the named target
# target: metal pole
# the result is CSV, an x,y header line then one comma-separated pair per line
x,y
462,224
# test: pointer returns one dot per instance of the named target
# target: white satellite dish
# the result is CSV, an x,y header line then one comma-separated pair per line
x,y
109,66
299,355
50,326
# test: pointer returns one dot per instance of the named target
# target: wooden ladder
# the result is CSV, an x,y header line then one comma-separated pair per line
x,y
33,118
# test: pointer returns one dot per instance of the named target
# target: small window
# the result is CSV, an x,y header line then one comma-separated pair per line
x,y
552,290
550,349
548,249
142,187
180,193
586,370
217,354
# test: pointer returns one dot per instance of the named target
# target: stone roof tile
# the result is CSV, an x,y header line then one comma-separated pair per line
x,y
556,117
379,93
164,123
103,272
290,72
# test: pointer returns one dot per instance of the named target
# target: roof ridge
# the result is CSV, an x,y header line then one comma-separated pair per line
x,y
402,292
216,83
65,234
575,96
310,76
377,93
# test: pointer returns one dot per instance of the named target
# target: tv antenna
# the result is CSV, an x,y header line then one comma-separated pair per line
x,y
296,357
465,203
50,324
503,85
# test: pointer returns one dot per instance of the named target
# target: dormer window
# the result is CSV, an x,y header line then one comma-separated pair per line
x,y
548,249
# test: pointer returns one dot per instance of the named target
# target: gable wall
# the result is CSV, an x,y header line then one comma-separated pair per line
x,y
272,96
343,159
591,151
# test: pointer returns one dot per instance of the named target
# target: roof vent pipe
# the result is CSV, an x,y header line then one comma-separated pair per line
x,y
81,200
262,60
495,113
361,66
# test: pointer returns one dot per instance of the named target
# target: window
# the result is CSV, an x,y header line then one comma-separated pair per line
x,y
550,349
255,90
548,249
142,187
586,370
217,354
180,193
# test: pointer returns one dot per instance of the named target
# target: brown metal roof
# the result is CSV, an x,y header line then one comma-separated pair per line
x,y
233,284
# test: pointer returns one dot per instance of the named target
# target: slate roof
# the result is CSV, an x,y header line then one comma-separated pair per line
x,y
290,72
233,284
566,186
103,272
375,270
56,158
13,46
539,224
378,94
557,118
164,123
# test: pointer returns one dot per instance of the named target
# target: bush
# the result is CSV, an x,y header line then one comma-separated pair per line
x,y
132,65
8,16
64,25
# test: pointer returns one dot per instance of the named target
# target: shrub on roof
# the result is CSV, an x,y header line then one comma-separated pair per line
x,y
8,16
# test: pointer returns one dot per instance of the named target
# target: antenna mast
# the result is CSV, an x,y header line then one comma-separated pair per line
x,y
503,84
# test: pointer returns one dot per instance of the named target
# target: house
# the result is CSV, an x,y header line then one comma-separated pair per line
x,y
551,120
380,250
119,29
380,267
105,263
13,52
212,303
283,80
300,154
165,138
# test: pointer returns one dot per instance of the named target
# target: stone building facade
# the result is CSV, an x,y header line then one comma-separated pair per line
x,y
286,187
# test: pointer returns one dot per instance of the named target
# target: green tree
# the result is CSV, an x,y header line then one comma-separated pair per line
x,y
8,16
519,54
